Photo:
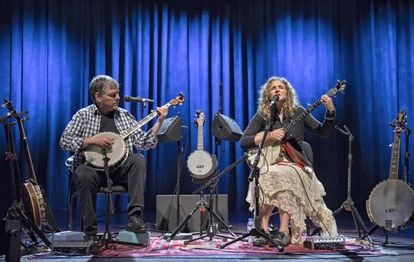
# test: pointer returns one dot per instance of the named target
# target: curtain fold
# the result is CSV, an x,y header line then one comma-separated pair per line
x,y
217,53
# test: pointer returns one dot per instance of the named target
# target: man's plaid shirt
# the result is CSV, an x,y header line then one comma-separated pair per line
x,y
86,123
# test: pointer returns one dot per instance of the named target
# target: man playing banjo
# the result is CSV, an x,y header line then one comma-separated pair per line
x,y
90,128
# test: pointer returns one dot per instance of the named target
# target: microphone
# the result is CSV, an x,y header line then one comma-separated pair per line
x,y
275,98
138,99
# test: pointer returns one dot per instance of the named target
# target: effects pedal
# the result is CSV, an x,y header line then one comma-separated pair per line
x,y
139,239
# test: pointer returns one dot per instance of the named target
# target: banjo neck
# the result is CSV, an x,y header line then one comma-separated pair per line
x,y
339,87
395,156
178,100
200,144
30,165
23,137
200,163
390,203
399,127
140,124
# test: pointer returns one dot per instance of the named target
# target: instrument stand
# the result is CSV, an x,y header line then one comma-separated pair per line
x,y
348,204
212,228
202,204
405,179
106,237
164,225
254,176
16,211
216,209
178,183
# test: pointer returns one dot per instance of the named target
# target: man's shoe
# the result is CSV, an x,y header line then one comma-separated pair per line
x,y
135,224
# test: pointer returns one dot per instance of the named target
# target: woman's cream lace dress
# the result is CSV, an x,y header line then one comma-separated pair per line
x,y
299,193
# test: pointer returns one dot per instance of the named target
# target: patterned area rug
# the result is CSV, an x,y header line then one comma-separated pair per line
x,y
240,249
159,248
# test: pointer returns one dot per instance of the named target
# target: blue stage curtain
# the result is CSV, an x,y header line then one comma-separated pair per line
x,y
217,53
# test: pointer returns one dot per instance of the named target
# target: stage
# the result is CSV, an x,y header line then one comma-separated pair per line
x,y
400,246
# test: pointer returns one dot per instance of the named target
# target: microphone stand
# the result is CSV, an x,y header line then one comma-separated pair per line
x,y
348,204
178,183
141,108
254,176
107,238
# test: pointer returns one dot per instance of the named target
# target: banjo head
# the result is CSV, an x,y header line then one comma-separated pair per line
x,y
116,153
391,205
200,164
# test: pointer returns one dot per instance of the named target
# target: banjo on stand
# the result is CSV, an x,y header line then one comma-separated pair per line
x,y
118,152
33,201
391,203
200,163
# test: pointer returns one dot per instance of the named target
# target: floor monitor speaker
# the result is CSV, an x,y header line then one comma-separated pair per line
x,y
226,128
166,215
170,130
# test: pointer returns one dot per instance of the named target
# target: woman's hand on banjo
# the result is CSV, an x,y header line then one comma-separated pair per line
x,y
276,135
271,138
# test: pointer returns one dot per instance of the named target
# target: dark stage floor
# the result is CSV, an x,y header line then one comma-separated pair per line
x,y
400,246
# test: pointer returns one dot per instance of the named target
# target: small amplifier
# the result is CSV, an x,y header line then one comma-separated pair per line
x,y
324,242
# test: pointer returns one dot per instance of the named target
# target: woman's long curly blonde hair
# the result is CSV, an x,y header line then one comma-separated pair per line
x,y
289,105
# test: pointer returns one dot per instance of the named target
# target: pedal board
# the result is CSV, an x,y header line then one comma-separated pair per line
x,y
324,242
81,247
70,242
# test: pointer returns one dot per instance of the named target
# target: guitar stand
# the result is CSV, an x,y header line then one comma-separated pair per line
x,y
16,211
405,179
373,229
30,227
348,204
